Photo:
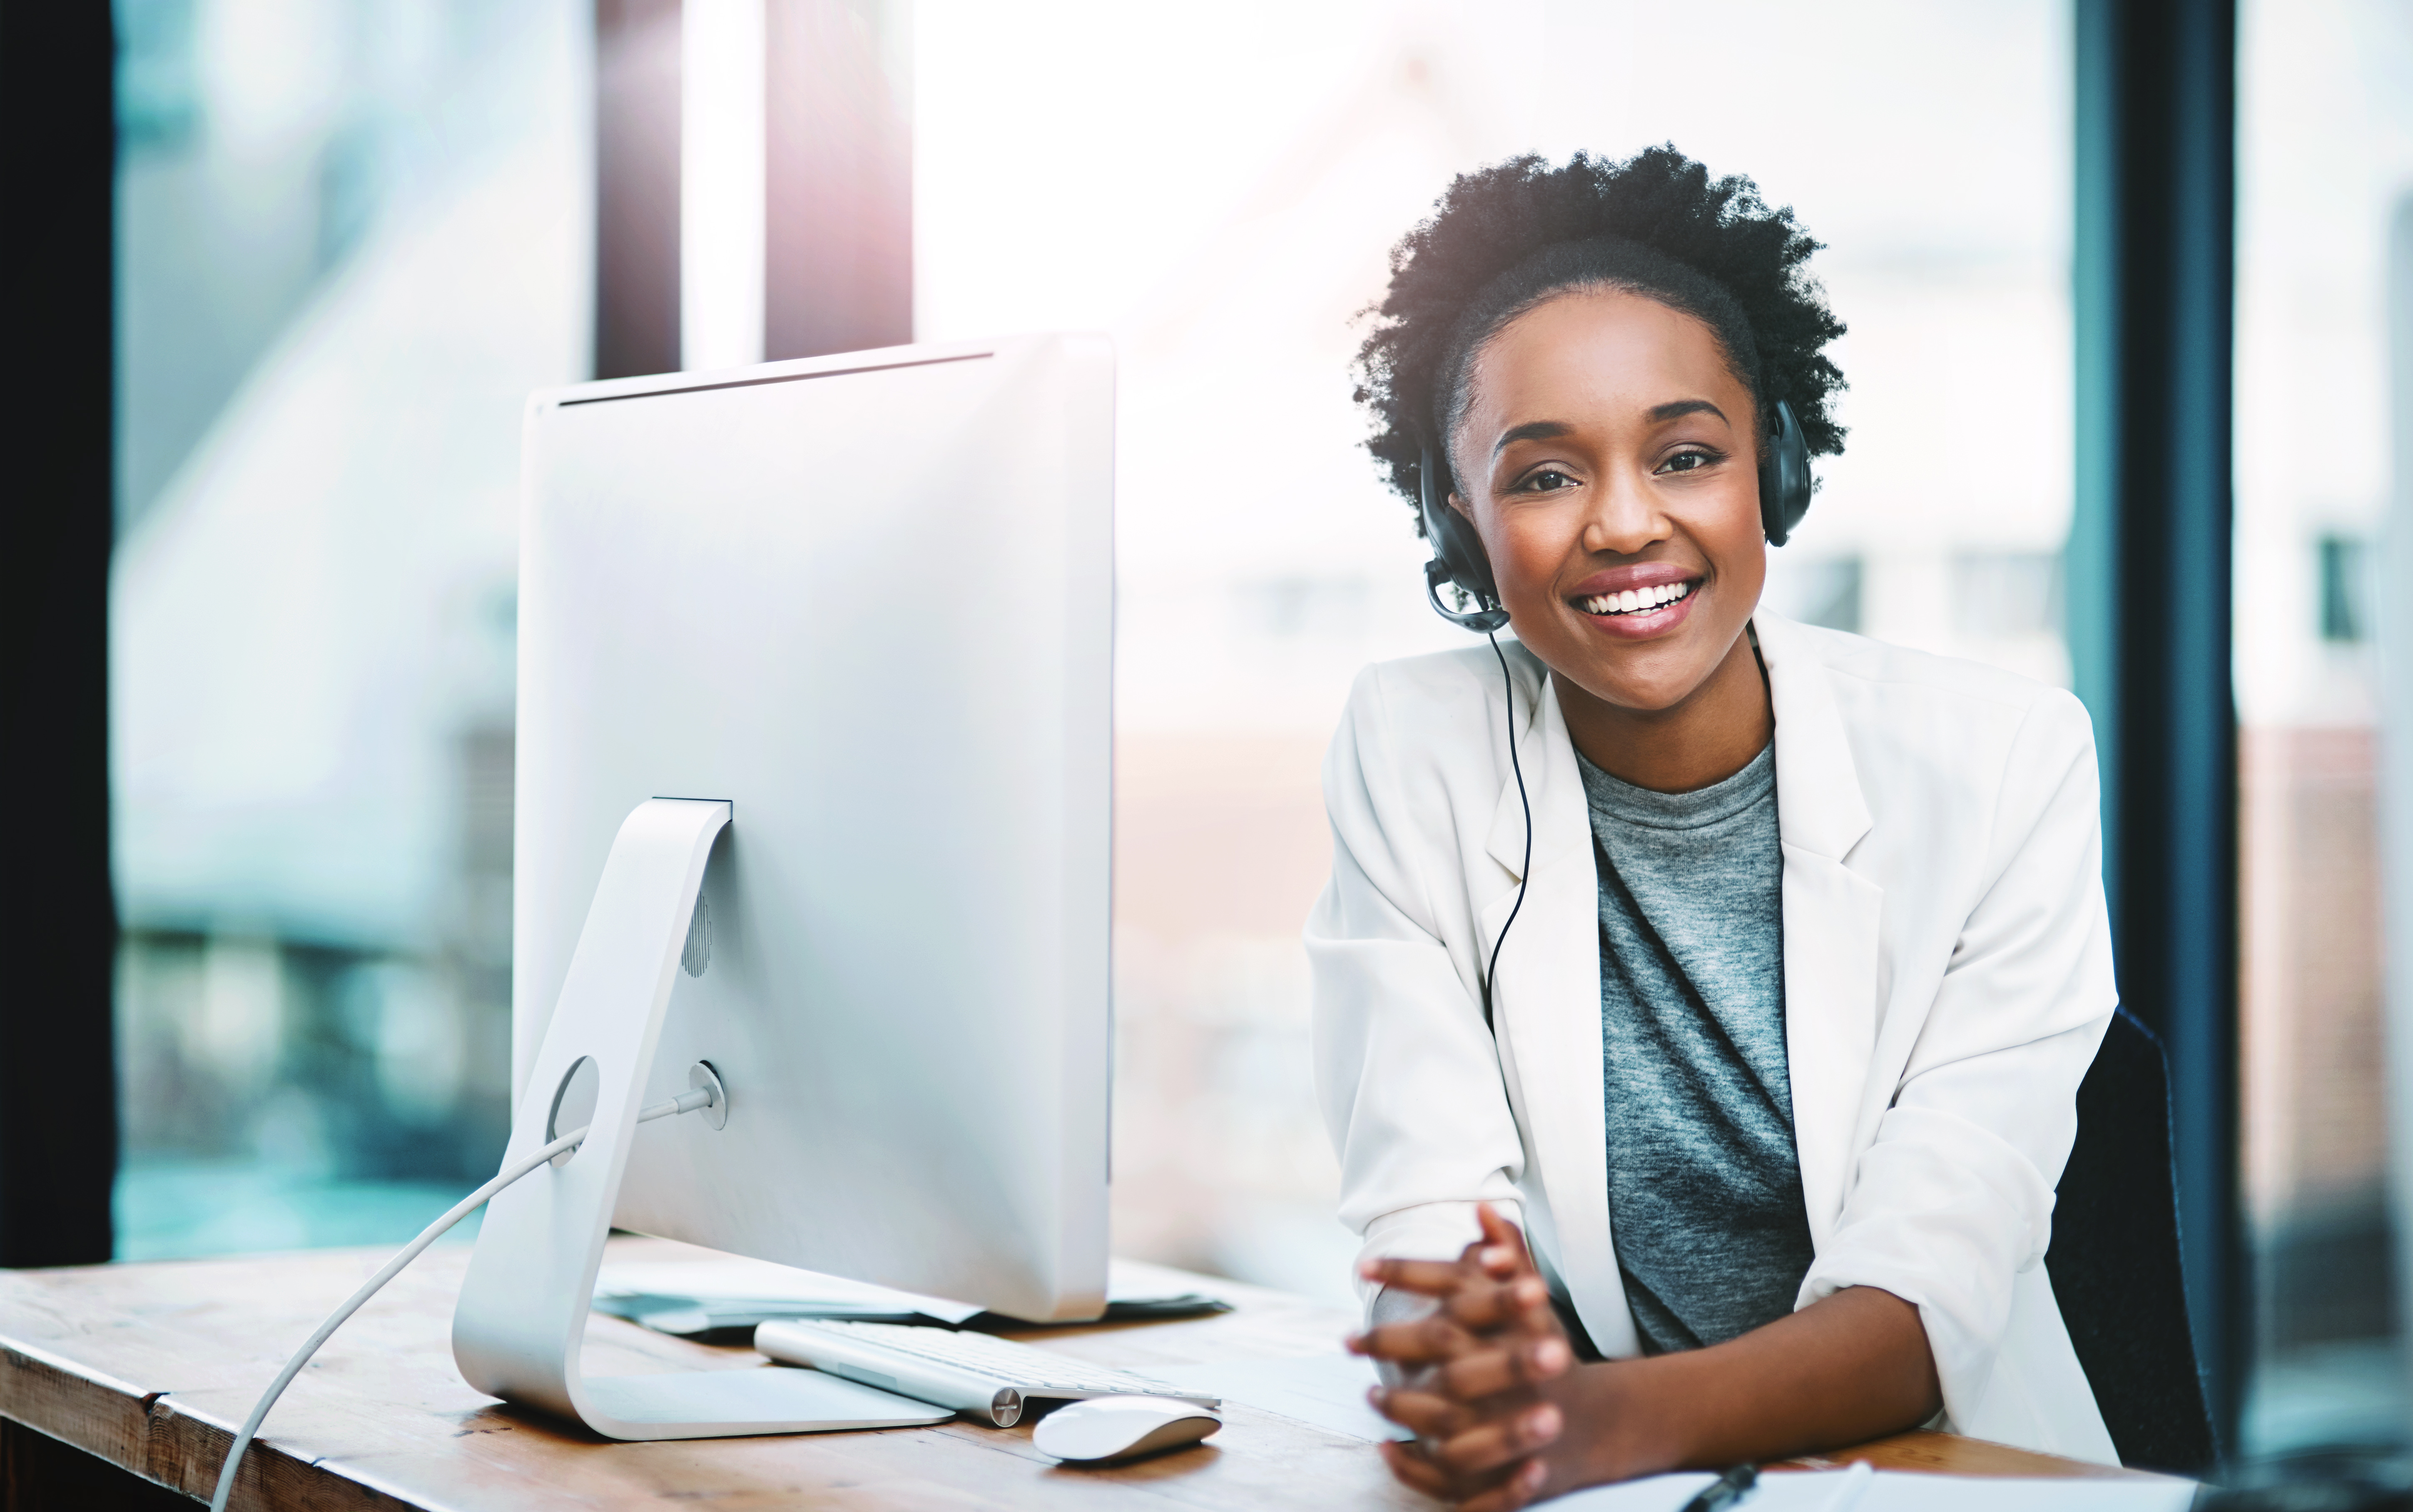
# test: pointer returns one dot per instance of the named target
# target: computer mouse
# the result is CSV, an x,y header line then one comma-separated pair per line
x,y
1102,1428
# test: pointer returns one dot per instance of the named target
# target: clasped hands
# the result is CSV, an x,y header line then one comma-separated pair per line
x,y
1502,1414
1472,1377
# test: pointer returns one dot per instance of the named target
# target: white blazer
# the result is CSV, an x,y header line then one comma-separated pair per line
x,y
1948,976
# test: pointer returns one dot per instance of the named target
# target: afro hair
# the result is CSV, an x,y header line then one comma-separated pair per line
x,y
1508,237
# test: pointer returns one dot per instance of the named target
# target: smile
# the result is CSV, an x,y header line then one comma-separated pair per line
x,y
1635,601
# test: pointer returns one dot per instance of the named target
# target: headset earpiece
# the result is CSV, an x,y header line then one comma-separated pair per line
x,y
1457,557
1783,478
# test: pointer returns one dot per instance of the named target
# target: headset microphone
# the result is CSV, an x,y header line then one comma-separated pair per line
x,y
1458,558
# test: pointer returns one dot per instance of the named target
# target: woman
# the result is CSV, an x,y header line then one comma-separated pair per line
x,y
1751,968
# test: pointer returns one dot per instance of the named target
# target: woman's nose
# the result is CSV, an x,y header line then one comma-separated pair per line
x,y
1623,517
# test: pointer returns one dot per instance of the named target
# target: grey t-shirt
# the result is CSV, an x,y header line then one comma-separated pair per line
x,y
1704,1178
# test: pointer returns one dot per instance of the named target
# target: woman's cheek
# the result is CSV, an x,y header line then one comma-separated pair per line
x,y
1532,550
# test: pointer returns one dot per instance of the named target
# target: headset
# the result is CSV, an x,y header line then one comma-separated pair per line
x,y
1459,559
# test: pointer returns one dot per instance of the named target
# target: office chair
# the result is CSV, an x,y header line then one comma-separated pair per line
x,y
2115,1264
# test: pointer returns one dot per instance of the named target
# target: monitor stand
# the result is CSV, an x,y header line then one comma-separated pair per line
x,y
522,1316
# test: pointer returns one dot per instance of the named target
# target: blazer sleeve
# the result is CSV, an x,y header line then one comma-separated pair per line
x,y
1955,1196
1407,1075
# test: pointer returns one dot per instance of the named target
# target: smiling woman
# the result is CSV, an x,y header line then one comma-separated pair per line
x,y
1625,529
1777,1074
1602,350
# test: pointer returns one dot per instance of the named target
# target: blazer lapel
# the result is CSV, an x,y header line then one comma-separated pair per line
x,y
1832,920
1546,1007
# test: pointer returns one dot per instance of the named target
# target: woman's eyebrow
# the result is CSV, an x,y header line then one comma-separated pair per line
x,y
1550,430
1532,430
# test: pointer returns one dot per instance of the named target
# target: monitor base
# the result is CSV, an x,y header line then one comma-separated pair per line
x,y
521,1320
774,1399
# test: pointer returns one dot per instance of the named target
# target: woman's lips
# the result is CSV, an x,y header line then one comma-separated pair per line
x,y
1631,616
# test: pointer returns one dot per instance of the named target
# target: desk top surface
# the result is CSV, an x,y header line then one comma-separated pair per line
x,y
151,1366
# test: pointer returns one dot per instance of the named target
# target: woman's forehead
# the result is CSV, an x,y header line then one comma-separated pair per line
x,y
1598,348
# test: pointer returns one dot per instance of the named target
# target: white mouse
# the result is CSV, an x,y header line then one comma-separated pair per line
x,y
1121,1428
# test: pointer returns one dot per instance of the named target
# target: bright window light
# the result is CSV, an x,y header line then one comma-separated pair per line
x,y
721,181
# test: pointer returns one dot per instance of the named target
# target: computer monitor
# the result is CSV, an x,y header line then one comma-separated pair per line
x,y
854,616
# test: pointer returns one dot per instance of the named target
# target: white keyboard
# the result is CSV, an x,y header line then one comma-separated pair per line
x,y
970,1372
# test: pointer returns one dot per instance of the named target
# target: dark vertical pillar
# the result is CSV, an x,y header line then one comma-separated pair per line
x,y
838,216
636,187
2150,569
58,922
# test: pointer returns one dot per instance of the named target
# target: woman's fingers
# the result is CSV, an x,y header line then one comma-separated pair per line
x,y
1521,1486
1462,1369
1500,1440
1420,1473
1495,1333
1475,1316
1482,1373
1502,1251
1524,1302
1429,1417
1415,1470
1532,1296
1488,1372
1427,1278
1499,1253
1423,1341
1496,1230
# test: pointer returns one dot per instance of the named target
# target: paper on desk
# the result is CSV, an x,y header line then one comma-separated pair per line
x,y
1325,1390
735,1285
735,1279
1893,1492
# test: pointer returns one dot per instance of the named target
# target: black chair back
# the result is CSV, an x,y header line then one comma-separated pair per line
x,y
2115,1264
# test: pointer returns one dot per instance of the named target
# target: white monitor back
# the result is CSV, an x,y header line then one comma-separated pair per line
x,y
869,601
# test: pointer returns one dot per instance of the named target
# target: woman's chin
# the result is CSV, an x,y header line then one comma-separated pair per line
x,y
1639,676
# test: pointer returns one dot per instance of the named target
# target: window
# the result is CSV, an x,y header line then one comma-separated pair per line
x,y
2325,177
1218,186
355,235
1823,590
351,239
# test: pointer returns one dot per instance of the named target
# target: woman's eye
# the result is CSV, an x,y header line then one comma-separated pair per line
x,y
1687,462
1548,480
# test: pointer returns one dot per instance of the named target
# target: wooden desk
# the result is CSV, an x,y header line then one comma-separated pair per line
x,y
149,1367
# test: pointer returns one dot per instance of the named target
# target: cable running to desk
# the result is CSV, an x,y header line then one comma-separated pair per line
x,y
686,1102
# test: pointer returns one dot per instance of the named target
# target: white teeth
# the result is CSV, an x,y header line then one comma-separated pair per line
x,y
1636,601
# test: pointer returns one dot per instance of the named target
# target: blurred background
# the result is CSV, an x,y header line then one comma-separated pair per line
x,y
353,234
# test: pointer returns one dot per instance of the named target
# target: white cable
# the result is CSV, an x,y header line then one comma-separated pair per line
x,y
685,1103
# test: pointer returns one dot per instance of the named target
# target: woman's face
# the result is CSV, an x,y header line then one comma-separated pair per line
x,y
1609,459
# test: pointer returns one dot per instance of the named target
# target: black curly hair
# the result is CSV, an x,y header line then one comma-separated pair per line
x,y
1508,237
